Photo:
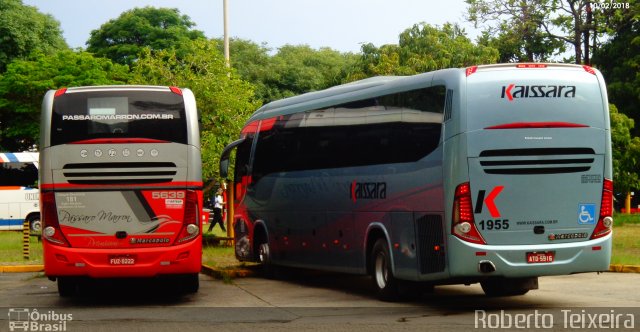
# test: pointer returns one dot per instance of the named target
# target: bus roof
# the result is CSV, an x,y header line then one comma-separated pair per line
x,y
345,93
117,87
380,85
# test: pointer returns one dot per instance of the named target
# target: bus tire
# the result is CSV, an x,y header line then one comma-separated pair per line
x,y
264,257
191,283
385,284
67,286
35,224
496,287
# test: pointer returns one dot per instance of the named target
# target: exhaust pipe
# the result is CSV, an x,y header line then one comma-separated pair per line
x,y
486,267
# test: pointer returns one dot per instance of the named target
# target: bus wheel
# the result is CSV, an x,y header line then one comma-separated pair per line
x,y
384,282
67,287
264,256
35,224
508,286
191,283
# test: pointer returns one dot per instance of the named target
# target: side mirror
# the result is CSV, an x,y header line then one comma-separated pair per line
x,y
224,157
224,168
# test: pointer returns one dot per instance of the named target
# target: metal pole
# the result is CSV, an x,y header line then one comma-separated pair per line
x,y
25,240
230,209
226,34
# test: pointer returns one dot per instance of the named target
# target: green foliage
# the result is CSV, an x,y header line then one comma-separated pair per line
x,y
25,82
298,69
619,61
225,101
423,48
515,28
122,39
535,30
626,152
24,30
291,71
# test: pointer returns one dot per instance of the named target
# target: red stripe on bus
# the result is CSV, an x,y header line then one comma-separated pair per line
x,y
50,186
118,141
527,125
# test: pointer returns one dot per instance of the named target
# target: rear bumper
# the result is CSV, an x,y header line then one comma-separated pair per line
x,y
149,262
510,260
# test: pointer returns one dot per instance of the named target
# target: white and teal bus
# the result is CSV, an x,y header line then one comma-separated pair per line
x,y
494,174
19,197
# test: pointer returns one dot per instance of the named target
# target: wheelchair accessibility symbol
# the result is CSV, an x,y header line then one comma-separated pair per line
x,y
586,214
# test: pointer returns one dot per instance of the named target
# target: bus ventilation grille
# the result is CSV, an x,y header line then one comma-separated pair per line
x,y
430,244
537,161
119,173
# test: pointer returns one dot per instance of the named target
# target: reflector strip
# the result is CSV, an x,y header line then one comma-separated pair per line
x,y
118,141
528,125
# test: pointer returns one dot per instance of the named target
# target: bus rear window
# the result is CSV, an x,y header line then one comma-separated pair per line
x,y
118,114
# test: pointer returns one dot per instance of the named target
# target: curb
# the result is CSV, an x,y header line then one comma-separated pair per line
x,y
244,273
624,268
21,268
226,274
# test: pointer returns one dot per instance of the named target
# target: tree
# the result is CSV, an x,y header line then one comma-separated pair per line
x,y
298,69
25,83
546,26
423,48
24,30
122,39
292,70
515,28
619,61
225,101
252,62
626,152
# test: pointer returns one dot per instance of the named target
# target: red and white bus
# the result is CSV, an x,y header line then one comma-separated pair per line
x,y
120,184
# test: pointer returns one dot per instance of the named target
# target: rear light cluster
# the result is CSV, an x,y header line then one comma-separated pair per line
x,y
51,231
605,221
191,222
464,226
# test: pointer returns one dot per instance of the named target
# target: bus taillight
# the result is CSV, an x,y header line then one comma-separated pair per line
x,y
605,222
463,225
191,223
51,227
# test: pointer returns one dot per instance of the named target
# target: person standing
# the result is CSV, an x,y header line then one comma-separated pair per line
x,y
217,211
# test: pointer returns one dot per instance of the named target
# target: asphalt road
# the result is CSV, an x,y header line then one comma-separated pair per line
x,y
313,301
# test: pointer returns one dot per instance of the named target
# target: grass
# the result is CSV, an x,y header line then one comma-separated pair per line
x,y
620,219
626,246
11,248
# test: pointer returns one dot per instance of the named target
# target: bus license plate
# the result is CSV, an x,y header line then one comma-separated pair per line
x,y
122,260
540,257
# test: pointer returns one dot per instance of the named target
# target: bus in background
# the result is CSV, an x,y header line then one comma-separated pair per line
x,y
19,191
494,174
120,185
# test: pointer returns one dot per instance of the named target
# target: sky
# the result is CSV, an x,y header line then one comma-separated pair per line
x,y
343,25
